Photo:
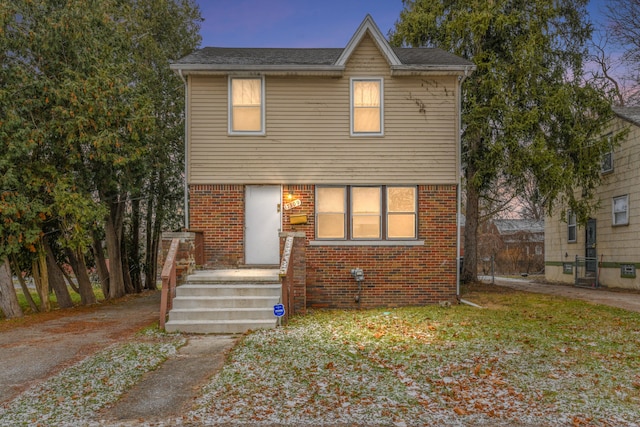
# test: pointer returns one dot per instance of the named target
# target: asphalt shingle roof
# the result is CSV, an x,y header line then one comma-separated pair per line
x,y
313,56
631,114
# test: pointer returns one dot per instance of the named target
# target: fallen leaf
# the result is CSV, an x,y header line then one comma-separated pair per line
x,y
458,410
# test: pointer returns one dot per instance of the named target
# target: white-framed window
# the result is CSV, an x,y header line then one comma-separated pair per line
x,y
246,106
607,158
366,212
620,208
367,106
538,250
571,227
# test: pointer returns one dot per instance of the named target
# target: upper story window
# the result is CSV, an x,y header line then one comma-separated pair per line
x,y
571,227
366,213
621,210
607,159
246,106
367,106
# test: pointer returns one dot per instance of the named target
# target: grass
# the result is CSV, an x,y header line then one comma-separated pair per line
x,y
77,393
527,360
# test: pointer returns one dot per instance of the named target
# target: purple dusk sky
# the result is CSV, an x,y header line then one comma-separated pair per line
x,y
299,23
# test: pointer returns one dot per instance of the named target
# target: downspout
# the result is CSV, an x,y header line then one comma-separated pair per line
x,y
461,79
186,151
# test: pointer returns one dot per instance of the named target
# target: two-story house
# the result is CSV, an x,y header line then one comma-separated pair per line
x,y
356,147
610,239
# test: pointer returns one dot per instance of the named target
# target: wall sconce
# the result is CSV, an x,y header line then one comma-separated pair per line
x,y
289,195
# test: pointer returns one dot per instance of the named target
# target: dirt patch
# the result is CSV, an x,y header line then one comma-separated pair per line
x,y
31,318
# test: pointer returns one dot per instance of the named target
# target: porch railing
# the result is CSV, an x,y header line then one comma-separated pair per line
x,y
286,273
586,272
168,282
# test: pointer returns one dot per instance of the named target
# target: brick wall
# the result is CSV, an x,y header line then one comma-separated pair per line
x,y
394,275
218,211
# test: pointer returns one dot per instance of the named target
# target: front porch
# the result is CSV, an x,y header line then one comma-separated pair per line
x,y
225,301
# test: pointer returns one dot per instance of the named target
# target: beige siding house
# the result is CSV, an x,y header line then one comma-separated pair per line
x,y
612,235
360,144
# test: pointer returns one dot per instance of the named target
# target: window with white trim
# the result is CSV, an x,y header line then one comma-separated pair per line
x,y
367,106
621,210
246,106
366,212
571,227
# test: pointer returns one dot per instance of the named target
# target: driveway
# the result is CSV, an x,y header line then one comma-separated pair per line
x,y
621,298
31,354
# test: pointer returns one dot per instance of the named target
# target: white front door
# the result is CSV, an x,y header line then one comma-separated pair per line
x,y
262,224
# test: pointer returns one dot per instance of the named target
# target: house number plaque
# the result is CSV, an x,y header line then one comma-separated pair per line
x,y
294,204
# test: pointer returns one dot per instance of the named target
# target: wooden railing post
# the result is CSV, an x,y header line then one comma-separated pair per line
x,y
168,282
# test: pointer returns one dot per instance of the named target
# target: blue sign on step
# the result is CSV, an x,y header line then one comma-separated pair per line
x,y
278,310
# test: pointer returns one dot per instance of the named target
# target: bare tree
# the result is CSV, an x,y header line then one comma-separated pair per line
x,y
624,26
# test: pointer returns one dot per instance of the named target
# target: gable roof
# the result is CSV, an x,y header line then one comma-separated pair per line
x,y
324,61
631,114
512,226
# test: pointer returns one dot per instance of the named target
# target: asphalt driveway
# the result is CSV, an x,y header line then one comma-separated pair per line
x,y
625,299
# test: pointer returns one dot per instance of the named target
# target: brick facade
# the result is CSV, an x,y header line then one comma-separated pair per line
x,y
218,211
394,275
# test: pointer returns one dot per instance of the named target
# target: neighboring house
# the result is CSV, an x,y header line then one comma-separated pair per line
x,y
611,237
356,147
516,245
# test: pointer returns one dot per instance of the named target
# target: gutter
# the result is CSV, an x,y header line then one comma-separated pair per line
x,y
461,80
186,151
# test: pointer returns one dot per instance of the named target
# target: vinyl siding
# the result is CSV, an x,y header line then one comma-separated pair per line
x,y
308,138
615,244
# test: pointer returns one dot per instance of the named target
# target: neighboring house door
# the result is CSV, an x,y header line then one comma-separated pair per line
x,y
590,246
262,224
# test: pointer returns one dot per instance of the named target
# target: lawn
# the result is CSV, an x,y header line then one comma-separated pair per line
x,y
526,359
523,360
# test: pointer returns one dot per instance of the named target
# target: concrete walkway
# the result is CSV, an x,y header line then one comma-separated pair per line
x,y
626,299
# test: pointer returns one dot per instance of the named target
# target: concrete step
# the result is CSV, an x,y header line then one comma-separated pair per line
x,y
218,327
187,302
205,314
239,290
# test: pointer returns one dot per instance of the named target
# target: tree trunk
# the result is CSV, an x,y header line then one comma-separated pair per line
x,y
126,270
8,298
101,265
79,266
134,251
56,280
470,266
41,279
113,231
23,285
155,217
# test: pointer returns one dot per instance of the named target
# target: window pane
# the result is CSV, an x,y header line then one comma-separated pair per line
x,y
366,120
330,199
366,227
620,204
246,105
247,119
331,210
246,92
401,226
367,102
330,226
366,94
572,233
366,200
401,199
